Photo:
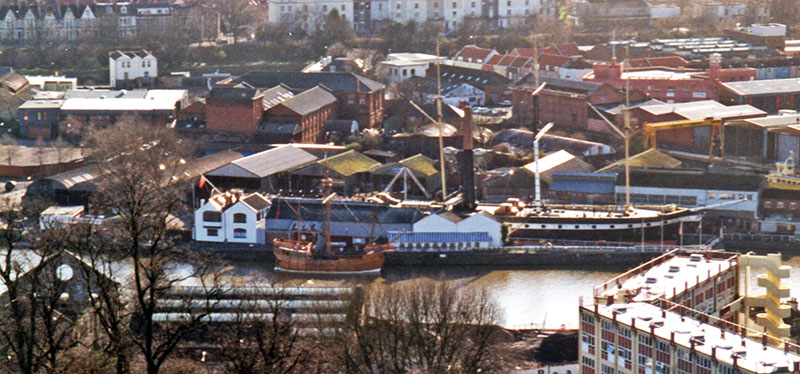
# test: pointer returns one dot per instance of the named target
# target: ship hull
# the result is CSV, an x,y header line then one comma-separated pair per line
x,y
661,228
289,259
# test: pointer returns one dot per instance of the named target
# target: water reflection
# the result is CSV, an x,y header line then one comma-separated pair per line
x,y
527,297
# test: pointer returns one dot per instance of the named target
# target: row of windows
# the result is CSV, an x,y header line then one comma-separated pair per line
x,y
211,216
780,205
127,64
237,233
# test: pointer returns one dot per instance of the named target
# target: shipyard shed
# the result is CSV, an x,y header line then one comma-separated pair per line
x,y
350,172
265,171
695,188
765,139
420,166
582,188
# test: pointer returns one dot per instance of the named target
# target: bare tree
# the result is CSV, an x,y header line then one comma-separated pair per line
x,y
424,326
262,338
35,322
141,169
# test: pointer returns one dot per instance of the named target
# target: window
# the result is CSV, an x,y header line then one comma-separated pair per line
x,y
588,318
212,232
325,8
662,347
239,218
416,5
473,4
240,233
144,64
508,2
210,216
626,332
344,7
606,369
587,338
607,347
645,339
435,5
454,4
588,362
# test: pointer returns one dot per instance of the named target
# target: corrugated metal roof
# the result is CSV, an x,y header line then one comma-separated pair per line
x,y
274,161
439,237
764,87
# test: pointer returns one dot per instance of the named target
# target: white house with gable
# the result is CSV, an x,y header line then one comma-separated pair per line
x,y
231,217
132,69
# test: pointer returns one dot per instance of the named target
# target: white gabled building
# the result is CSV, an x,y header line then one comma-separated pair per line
x,y
451,223
129,69
232,218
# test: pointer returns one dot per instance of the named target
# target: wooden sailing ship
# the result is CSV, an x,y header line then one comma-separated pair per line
x,y
318,256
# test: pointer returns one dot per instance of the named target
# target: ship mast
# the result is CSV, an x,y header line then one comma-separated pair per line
x,y
627,118
439,122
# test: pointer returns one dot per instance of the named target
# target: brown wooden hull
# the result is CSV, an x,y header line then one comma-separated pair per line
x,y
290,259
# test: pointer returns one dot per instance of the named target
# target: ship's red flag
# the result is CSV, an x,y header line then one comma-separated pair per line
x,y
203,181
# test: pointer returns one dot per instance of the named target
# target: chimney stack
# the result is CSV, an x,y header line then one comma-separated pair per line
x,y
467,162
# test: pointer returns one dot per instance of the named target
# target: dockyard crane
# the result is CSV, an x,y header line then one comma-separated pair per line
x,y
651,130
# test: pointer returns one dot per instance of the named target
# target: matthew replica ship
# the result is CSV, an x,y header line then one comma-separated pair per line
x,y
319,255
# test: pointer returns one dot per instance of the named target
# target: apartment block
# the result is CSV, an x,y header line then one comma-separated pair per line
x,y
643,338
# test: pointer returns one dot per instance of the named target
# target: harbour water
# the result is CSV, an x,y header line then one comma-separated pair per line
x,y
527,298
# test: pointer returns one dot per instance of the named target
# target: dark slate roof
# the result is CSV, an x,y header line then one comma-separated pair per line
x,y
336,81
477,78
202,165
557,84
600,183
448,111
429,85
274,128
343,211
130,54
309,101
238,92
256,201
439,237
692,179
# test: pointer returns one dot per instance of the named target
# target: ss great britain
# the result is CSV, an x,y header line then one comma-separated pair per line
x,y
320,256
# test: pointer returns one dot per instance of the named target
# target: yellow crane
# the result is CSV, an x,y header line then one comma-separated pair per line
x,y
651,129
